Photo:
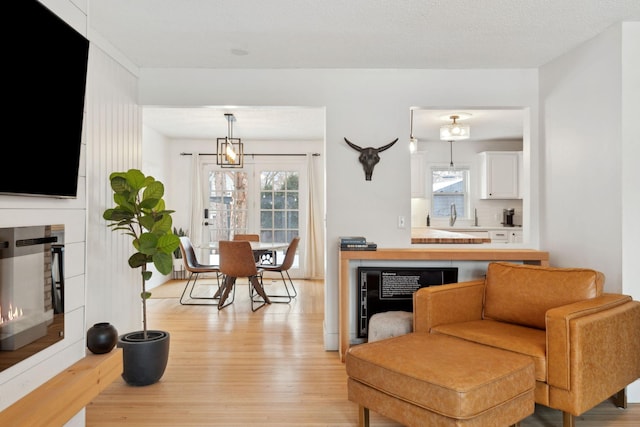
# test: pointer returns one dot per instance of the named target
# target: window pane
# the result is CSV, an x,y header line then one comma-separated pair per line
x,y
442,205
279,204
279,199
449,186
292,200
292,219
266,200
292,181
228,203
278,219
266,219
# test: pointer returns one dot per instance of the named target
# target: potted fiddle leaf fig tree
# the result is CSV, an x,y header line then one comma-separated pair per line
x,y
140,212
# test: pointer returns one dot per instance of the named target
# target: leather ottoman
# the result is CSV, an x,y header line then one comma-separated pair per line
x,y
422,379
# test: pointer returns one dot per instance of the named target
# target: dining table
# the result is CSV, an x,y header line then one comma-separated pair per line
x,y
264,252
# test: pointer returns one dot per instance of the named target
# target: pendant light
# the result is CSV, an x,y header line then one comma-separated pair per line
x,y
413,141
230,150
454,131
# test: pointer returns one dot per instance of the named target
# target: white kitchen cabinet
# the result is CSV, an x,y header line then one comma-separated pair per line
x,y
418,184
515,236
499,174
499,236
483,234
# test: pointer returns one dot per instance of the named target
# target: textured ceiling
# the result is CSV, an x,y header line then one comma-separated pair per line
x,y
452,34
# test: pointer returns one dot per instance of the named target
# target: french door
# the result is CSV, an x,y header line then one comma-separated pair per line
x,y
268,198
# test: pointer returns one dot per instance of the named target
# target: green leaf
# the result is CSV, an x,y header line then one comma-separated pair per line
x,y
118,182
137,260
168,243
155,190
163,262
135,179
147,243
145,295
163,224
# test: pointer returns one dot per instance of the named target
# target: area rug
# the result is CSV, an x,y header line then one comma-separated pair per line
x,y
170,289
173,288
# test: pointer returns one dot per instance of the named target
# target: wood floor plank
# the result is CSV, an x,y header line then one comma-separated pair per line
x,y
235,367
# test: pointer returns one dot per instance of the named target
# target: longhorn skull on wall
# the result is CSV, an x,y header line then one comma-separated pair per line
x,y
369,156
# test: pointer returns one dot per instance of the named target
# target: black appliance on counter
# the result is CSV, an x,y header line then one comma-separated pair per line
x,y
507,217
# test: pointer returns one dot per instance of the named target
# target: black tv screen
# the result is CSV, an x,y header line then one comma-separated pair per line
x,y
45,77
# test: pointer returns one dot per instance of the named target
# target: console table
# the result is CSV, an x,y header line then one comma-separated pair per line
x,y
527,256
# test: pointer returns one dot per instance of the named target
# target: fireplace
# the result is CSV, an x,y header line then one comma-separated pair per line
x,y
31,291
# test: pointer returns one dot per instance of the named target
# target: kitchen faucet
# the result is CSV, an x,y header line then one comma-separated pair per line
x,y
453,215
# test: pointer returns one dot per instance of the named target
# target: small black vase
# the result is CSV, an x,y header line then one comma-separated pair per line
x,y
101,338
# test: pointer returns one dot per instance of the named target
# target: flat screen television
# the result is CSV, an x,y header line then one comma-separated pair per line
x,y
45,82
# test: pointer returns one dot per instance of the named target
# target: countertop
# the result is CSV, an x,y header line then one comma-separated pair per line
x,y
433,235
463,228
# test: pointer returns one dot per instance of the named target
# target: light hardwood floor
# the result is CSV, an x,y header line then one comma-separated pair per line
x,y
235,367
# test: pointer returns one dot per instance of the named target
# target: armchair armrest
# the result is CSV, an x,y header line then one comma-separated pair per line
x,y
439,305
592,348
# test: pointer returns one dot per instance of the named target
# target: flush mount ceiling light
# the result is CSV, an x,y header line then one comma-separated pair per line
x,y
230,150
413,141
455,131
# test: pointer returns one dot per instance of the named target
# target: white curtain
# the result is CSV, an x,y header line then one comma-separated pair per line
x,y
196,227
314,245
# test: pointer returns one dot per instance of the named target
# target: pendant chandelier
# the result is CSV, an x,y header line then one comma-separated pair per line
x,y
230,150
454,131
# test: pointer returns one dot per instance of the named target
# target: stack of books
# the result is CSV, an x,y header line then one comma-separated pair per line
x,y
356,243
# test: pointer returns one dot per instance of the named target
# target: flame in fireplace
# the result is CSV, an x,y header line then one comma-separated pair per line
x,y
14,313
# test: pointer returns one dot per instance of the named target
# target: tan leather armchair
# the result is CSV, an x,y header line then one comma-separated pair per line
x,y
585,343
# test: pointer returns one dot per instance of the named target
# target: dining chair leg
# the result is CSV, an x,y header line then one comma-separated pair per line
x,y
255,284
282,298
194,276
228,286
290,295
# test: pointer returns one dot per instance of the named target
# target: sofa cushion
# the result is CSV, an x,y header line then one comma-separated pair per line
x,y
519,339
522,294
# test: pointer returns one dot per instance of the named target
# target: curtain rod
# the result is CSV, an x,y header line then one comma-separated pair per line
x,y
254,154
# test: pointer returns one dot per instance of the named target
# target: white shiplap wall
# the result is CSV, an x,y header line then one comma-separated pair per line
x,y
99,286
115,141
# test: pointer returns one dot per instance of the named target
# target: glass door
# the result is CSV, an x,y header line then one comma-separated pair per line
x,y
264,197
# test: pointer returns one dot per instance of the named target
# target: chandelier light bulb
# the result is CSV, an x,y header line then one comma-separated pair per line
x,y
454,131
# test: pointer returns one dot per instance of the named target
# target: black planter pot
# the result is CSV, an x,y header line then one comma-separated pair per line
x,y
144,361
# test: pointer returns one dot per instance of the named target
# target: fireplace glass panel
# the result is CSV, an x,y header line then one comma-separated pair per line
x,y
31,291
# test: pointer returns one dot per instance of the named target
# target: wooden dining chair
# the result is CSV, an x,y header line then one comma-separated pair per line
x,y
263,257
236,260
283,268
194,268
247,237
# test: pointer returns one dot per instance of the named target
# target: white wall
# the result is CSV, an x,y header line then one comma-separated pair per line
x,y
581,114
99,284
20,379
630,169
370,107
589,177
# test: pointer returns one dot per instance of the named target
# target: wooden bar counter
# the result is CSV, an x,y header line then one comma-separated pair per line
x,y
527,256
434,235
